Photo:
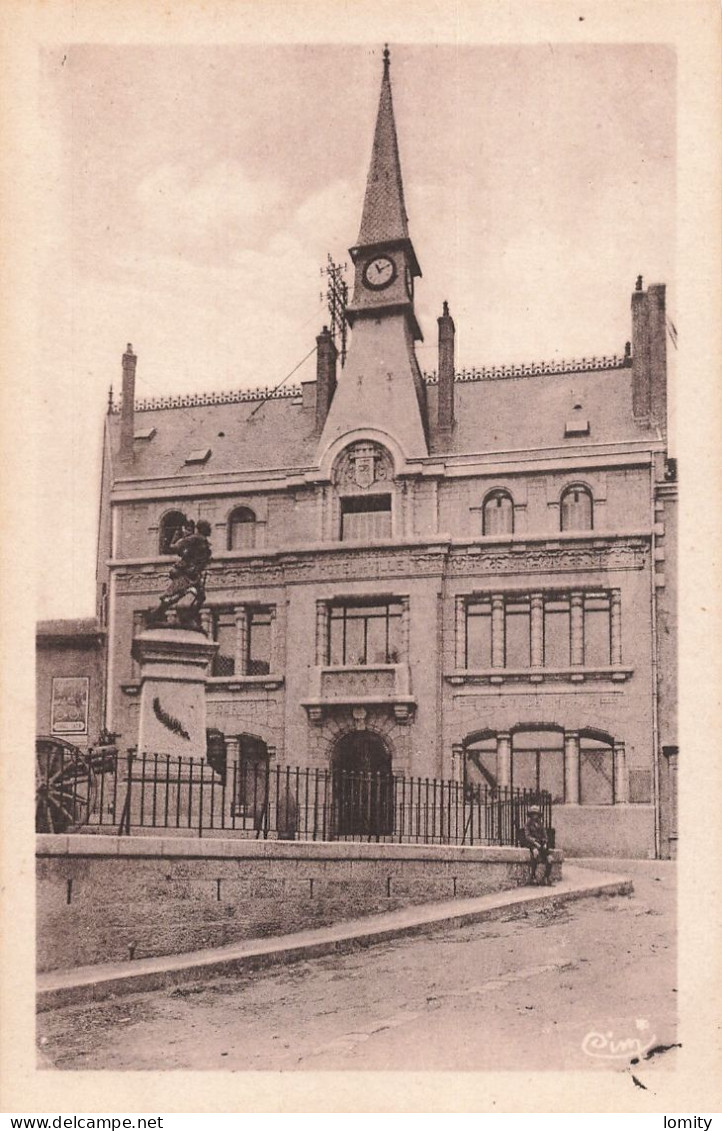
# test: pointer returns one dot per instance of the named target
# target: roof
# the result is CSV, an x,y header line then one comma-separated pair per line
x,y
495,410
71,629
384,211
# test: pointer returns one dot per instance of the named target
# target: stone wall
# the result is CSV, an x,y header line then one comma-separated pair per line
x,y
104,899
625,831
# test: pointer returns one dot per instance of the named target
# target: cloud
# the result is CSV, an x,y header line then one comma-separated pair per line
x,y
202,215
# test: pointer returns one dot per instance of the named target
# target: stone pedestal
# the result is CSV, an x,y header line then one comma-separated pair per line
x,y
174,665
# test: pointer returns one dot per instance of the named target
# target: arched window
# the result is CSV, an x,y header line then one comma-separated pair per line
x,y
537,761
171,525
596,770
481,769
242,529
498,513
577,508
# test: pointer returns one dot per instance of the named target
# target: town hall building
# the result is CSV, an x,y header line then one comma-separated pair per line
x,y
461,575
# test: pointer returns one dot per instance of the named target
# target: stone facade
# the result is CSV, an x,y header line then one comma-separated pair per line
x,y
474,569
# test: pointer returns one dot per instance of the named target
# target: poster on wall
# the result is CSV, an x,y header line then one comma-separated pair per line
x,y
69,710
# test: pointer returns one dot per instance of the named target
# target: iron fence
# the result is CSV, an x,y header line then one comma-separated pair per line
x,y
252,798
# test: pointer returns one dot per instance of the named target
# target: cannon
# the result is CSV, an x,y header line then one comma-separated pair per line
x,y
66,782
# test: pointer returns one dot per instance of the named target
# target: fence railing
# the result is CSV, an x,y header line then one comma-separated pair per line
x,y
252,798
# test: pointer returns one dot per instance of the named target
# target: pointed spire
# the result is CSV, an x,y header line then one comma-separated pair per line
x,y
384,213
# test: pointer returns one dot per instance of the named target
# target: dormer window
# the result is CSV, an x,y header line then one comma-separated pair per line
x,y
365,518
498,513
242,529
577,508
198,456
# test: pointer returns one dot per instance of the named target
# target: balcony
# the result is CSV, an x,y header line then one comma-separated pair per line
x,y
370,685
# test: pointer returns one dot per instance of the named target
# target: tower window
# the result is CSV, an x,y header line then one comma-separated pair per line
x,y
365,518
242,529
577,510
498,513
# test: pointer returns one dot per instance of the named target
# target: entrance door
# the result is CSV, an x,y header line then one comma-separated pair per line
x,y
362,787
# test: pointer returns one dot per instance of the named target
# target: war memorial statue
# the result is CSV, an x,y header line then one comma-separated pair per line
x,y
187,576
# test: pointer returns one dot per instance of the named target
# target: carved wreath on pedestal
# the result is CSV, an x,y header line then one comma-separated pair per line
x,y
362,464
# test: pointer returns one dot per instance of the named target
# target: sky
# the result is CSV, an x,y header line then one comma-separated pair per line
x,y
190,196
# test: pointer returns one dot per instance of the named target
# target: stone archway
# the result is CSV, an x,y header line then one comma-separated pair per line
x,y
363,786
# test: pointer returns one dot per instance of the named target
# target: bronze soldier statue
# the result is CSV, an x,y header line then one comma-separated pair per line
x,y
187,575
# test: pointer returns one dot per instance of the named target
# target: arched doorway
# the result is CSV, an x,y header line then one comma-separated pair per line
x,y
363,788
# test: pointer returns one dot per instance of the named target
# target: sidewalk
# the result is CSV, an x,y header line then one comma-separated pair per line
x,y
94,983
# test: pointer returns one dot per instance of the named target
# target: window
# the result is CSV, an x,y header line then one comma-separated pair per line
x,y
537,762
258,642
251,779
517,626
596,772
244,638
557,633
478,635
576,508
552,630
362,634
597,630
171,525
365,518
480,764
242,529
498,513
225,633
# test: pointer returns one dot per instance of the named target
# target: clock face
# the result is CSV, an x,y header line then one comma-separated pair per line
x,y
379,272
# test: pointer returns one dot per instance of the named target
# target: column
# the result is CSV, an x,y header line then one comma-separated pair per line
x,y
405,630
577,619
457,762
407,501
233,758
503,759
497,631
460,633
273,660
571,767
537,630
241,638
616,626
322,656
621,776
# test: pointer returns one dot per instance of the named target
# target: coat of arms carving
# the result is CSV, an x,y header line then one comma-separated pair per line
x,y
364,464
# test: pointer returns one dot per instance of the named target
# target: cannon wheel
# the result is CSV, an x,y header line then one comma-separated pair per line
x,y
65,786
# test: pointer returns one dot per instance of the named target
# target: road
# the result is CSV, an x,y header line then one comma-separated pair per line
x,y
554,989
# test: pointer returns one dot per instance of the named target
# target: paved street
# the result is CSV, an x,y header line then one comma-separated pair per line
x,y
564,988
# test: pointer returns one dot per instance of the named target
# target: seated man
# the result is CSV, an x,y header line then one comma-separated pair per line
x,y
534,837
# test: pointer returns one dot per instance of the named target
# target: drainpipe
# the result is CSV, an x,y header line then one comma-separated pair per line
x,y
655,679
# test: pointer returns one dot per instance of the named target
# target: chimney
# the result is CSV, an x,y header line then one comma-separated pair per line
x,y
326,355
658,355
127,408
446,374
649,354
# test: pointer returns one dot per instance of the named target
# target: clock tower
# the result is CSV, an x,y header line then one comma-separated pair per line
x,y
384,257
381,387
